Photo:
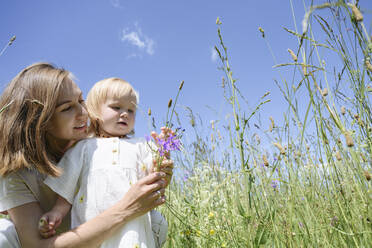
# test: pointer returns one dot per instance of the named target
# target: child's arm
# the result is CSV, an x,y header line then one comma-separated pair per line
x,y
50,221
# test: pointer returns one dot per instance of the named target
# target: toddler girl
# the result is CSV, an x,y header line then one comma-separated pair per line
x,y
98,171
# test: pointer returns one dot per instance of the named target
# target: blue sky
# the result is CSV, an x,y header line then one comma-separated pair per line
x,y
155,45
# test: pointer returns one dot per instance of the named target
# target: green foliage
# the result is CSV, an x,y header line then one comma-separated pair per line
x,y
311,187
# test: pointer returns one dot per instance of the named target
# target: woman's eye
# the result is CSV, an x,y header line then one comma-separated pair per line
x,y
81,101
66,109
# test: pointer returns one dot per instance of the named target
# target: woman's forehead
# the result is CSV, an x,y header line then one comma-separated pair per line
x,y
69,91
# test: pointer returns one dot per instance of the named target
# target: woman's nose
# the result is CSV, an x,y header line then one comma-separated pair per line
x,y
82,112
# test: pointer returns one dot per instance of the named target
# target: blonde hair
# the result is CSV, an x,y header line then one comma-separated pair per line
x,y
28,103
100,93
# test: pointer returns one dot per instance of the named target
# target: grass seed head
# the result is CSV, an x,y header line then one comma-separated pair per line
x,y
272,124
181,85
258,139
338,156
280,147
368,65
149,112
264,158
367,175
324,92
218,22
293,55
170,103
262,32
343,110
363,157
11,40
349,139
304,70
356,13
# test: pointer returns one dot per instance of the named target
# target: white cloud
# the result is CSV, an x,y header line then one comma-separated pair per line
x,y
214,55
138,39
133,38
115,3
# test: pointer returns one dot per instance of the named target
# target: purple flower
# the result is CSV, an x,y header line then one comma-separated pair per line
x,y
185,177
171,143
148,138
274,184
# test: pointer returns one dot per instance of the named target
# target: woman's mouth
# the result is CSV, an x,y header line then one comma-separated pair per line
x,y
81,127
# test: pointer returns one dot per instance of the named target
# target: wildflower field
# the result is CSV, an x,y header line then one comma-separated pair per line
x,y
304,181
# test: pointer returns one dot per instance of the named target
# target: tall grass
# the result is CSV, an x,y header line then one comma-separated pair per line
x,y
311,187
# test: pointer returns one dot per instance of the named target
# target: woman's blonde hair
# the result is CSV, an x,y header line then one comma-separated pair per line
x,y
28,103
98,95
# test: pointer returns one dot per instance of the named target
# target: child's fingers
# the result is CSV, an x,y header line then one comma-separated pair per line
x,y
43,223
48,234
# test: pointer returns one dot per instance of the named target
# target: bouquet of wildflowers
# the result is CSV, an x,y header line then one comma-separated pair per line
x,y
168,140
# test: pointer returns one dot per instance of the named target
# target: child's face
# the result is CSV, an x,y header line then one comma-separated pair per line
x,y
118,116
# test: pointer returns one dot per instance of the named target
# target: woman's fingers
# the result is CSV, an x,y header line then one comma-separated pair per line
x,y
152,178
158,193
167,163
164,163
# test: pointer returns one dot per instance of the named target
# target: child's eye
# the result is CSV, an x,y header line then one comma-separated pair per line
x,y
130,111
115,107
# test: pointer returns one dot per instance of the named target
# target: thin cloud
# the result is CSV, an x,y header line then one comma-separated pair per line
x,y
116,4
138,39
214,55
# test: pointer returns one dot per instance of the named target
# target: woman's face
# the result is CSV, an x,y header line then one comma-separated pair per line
x,y
69,121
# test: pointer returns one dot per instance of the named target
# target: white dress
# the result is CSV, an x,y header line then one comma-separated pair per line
x,y
97,172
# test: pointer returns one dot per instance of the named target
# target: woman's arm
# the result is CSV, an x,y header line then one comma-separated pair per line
x,y
141,198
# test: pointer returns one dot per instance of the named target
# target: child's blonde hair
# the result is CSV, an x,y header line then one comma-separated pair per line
x,y
102,91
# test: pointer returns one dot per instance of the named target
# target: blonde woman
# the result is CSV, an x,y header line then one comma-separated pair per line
x,y
44,114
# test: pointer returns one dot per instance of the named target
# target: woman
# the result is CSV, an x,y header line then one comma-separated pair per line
x,y
44,115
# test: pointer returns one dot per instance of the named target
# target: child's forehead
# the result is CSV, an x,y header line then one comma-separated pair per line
x,y
126,99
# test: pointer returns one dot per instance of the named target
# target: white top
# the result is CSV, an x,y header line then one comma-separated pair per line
x,y
97,172
26,186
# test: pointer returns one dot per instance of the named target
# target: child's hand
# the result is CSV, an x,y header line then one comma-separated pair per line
x,y
48,224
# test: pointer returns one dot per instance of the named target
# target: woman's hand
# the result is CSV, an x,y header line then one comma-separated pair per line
x,y
145,195
166,166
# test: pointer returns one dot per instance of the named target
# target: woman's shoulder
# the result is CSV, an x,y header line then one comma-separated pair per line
x,y
82,144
